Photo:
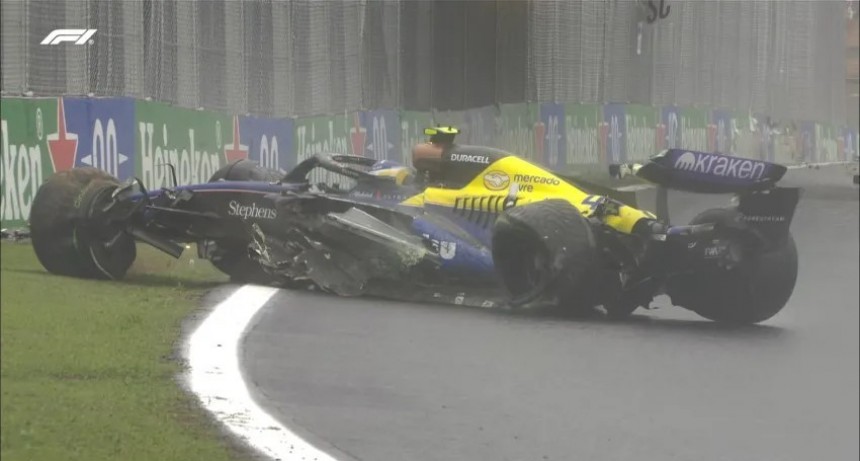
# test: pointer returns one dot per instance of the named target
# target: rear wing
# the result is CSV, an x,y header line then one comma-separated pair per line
x,y
703,172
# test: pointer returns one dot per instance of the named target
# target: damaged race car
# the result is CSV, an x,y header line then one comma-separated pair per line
x,y
466,225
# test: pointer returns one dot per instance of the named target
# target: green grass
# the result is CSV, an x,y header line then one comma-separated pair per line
x,y
88,368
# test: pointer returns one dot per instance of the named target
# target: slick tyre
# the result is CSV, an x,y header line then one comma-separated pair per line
x,y
751,292
543,253
63,242
231,257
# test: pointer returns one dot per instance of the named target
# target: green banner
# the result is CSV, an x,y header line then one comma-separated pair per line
x,y
785,147
641,122
581,123
37,142
515,128
694,129
412,124
29,130
195,142
825,143
744,139
327,134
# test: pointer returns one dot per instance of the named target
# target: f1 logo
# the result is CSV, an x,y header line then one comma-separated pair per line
x,y
79,36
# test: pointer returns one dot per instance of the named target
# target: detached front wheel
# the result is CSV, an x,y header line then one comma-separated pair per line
x,y
70,236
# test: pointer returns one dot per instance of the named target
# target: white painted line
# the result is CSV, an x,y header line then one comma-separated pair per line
x,y
216,379
636,187
815,165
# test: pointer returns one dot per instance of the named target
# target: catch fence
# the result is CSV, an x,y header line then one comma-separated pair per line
x,y
311,57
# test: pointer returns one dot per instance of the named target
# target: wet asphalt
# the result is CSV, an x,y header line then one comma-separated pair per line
x,y
367,379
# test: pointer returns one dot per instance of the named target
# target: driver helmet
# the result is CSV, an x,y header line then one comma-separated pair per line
x,y
401,174
427,157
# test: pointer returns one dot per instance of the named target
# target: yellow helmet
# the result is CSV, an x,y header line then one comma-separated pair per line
x,y
442,134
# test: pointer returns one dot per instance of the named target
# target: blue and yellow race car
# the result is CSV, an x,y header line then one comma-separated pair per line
x,y
468,225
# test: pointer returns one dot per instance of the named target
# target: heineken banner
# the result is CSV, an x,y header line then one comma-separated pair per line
x,y
322,134
480,125
477,126
807,142
848,145
721,132
694,125
126,137
267,141
515,129
641,124
825,143
745,137
327,134
105,132
375,134
31,142
549,135
786,145
613,133
764,132
581,123
197,143
412,124
669,129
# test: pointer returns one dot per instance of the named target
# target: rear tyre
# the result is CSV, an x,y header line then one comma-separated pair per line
x,y
231,257
751,292
64,242
545,252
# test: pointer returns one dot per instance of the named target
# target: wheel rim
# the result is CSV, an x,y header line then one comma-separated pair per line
x,y
536,270
107,247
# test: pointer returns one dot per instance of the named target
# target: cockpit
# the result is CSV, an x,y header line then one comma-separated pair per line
x,y
437,163
441,163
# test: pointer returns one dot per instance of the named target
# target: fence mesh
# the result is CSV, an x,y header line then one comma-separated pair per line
x,y
304,57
